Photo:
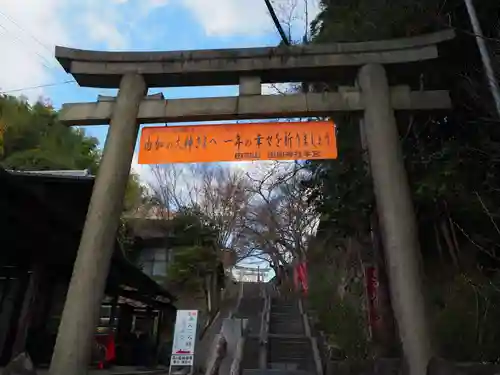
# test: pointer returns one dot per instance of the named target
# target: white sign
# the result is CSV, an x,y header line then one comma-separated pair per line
x,y
185,332
181,360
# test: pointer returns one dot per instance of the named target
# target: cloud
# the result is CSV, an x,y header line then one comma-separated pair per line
x,y
29,30
104,32
151,4
251,17
143,171
28,33
230,17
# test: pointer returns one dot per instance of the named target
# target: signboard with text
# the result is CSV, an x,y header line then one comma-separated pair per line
x,y
184,338
238,142
182,360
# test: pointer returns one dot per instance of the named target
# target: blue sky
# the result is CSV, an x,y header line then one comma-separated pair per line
x,y
29,30
191,36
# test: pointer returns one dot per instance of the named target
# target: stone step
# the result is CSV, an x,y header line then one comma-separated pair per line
x,y
250,308
251,353
275,372
284,317
251,305
293,353
289,314
286,326
284,305
285,311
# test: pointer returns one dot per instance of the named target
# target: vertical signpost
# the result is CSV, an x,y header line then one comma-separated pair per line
x,y
184,341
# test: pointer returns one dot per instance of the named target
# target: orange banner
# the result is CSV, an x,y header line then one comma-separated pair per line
x,y
237,142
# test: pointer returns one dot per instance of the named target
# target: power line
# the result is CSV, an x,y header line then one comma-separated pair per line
x,y
26,31
277,22
37,87
34,38
17,39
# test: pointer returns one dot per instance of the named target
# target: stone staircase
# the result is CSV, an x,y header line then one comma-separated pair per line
x,y
278,340
285,318
290,354
288,346
251,308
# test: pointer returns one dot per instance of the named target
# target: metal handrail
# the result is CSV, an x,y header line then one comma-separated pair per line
x,y
313,340
264,330
219,351
238,357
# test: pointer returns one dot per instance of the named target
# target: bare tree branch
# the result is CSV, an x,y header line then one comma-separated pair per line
x,y
220,193
281,219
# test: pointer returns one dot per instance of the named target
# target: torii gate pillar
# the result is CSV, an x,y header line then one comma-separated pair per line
x,y
243,66
86,289
397,218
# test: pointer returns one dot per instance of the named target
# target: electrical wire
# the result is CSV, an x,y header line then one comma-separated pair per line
x,y
45,46
17,39
47,63
37,87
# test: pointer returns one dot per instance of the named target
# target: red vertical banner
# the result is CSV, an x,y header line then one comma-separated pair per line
x,y
303,273
372,284
300,277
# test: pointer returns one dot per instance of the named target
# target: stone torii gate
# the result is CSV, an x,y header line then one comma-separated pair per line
x,y
361,66
245,272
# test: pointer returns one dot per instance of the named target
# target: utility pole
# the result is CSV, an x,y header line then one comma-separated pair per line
x,y
485,56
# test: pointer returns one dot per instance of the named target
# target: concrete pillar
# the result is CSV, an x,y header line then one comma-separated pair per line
x,y
384,333
397,218
250,86
83,301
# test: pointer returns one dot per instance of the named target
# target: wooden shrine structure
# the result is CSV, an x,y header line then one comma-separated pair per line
x,y
41,220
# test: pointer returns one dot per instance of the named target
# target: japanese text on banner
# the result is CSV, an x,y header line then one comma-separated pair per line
x,y
237,142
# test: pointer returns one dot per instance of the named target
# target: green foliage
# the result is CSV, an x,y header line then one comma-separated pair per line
x,y
452,160
135,193
360,20
194,242
125,239
466,318
342,320
341,189
33,139
191,266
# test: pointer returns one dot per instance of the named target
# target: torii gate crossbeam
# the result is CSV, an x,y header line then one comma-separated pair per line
x,y
347,64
